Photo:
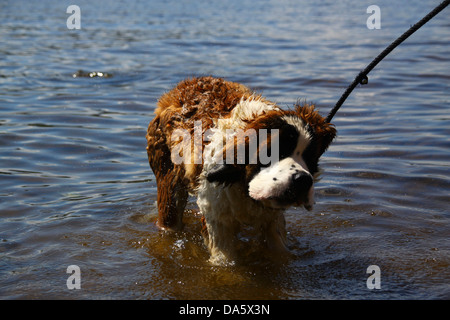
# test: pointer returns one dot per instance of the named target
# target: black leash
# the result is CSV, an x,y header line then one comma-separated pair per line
x,y
361,78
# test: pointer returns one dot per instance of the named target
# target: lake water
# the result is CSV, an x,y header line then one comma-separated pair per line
x,y
76,187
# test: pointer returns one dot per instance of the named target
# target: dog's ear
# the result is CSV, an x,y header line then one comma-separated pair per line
x,y
321,132
224,173
321,138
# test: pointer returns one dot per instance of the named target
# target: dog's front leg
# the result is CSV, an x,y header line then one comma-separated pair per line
x,y
171,199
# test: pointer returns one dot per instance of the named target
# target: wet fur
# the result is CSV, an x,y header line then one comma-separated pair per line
x,y
231,216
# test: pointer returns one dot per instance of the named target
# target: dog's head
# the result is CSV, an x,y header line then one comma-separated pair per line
x,y
293,142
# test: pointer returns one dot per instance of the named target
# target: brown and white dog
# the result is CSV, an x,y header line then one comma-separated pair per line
x,y
193,148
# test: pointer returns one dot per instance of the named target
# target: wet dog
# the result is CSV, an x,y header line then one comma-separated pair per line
x,y
243,157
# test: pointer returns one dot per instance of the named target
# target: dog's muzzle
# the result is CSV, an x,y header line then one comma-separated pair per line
x,y
299,192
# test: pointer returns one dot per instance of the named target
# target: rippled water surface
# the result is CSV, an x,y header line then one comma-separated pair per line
x,y
76,187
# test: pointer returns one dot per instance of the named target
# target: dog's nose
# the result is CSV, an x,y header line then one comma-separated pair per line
x,y
301,183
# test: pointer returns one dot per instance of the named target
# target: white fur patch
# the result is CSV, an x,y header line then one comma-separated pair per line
x,y
304,136
227,210
274,180
245,110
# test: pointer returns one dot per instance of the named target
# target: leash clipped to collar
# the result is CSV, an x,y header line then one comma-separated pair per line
x,y
362,78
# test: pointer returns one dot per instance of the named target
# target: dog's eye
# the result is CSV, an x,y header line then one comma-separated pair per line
x,y
310,157
288,140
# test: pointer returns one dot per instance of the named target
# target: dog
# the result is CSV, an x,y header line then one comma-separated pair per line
x,y
243,157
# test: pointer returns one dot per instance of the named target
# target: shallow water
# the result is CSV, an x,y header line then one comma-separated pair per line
x,y
76,188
